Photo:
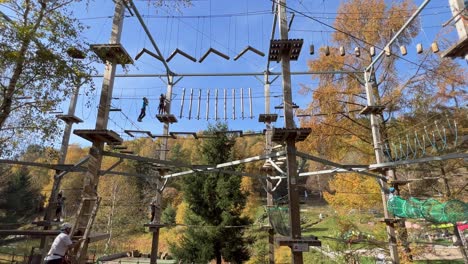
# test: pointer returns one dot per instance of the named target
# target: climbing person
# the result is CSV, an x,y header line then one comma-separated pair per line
x,y
153,211
143,109
162,104
59,208
391,191
62,243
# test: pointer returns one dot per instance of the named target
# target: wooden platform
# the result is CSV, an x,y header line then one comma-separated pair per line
x,y
69,118
282,134
278,47
267,118
131,132
299,244
174,134
167,118
374,109
104,135
112,53
459,49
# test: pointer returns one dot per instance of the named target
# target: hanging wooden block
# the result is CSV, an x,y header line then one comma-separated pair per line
x,y
387,51
311,49
208,105
327,51
342,51
403,50
419,48
357,51
216,104
435,47
182,103
372,51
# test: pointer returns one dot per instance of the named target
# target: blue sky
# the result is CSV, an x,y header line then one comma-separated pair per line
x,y
228,26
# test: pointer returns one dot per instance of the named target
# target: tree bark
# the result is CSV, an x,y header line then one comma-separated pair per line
x,y
5,107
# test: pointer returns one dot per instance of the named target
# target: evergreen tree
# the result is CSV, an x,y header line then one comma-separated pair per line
x,y
216,201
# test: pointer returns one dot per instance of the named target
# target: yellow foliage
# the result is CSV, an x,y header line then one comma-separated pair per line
x,y
353,192
282,255
252,198
181,211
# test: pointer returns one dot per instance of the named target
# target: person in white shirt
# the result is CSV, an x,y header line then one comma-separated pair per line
x,y
60,245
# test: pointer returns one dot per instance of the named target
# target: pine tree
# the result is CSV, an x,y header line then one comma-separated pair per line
x,y
216,201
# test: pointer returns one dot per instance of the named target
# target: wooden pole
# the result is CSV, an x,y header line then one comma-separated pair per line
x,y
268,149
57,180
379,156
294,213
91,178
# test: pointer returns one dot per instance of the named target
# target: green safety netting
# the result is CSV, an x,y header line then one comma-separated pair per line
x,y
430,209
279,219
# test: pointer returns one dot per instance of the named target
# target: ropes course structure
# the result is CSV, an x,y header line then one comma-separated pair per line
x,y
284,221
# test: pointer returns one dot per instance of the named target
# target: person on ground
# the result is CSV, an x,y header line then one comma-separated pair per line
x,y
62,243
143,109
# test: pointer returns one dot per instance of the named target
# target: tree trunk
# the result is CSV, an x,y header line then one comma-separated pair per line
x,y
5,107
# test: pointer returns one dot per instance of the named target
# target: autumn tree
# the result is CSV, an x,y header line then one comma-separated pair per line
x,y
216,202
36,74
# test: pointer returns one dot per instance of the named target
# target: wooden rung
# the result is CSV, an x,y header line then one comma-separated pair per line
x,y
419,48
178,51
211,50
357,51
167,118
342,51
311,49
403,50
254,50
327,51
372,51
127,152
434,47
